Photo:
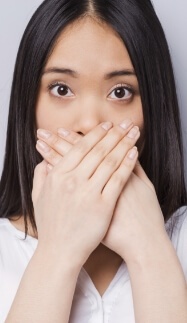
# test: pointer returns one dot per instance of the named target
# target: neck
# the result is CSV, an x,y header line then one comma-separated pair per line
x,y
102,258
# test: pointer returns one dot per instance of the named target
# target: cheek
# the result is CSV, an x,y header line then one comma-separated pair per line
x,y
44,118
51,114
139,113
47,117
137,118
140,142
136,113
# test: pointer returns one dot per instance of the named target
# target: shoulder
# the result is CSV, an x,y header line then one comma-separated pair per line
x,y
9,237
5,229
13,243
15,253
176,228
8,230
16,226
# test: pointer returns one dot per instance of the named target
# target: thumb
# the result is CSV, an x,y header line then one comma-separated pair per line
x,y
40,174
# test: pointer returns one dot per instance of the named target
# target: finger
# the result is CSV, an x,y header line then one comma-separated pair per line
x,y
54,141
49,154
139,171
49,141
116,183
57,143
69,135
102,170
102,147
83,147
60,147
40,174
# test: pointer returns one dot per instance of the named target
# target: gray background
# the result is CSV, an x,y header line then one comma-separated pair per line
x,y
14,16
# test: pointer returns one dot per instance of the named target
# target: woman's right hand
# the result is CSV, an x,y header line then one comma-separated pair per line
x,y
75,201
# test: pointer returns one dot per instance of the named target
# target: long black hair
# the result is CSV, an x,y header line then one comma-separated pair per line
x,y
136,23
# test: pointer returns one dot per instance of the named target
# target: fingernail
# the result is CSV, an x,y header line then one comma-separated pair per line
x,y
132,153
43,146
63,132
125,124
45,134
106,125
133,132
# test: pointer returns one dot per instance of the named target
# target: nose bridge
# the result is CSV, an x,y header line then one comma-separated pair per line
x,y
89,115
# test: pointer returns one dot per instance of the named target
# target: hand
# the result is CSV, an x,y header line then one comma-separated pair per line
x,y
53,147
77,198
137,205
138,223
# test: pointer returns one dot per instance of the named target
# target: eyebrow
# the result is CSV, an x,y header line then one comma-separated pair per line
x,y
127,72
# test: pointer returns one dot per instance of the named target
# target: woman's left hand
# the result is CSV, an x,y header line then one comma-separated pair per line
x,y
137,224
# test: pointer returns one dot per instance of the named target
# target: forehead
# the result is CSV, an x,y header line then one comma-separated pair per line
x,y
89,44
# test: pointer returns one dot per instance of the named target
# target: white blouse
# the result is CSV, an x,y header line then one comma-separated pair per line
x,y
116,304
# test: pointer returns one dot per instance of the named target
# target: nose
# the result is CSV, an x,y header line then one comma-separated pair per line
x,y
89,116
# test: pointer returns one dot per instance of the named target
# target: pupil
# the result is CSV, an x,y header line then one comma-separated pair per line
x,y
120,93
62,90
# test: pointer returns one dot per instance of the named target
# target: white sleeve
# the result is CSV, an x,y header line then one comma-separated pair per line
x,y
179,237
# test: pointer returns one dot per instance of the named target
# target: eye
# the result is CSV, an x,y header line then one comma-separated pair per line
x,y
122,92
60,90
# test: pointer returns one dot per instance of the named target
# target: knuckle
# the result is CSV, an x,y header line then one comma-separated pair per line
x,y
67,182
53,176
126,147
81,147
111,161
53,157
118,178
114,136
55,141
75,139
128,163
127,143
116,132
130,140
99,150
70,182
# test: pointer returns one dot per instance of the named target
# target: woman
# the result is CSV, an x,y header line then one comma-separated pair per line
x,y
94,86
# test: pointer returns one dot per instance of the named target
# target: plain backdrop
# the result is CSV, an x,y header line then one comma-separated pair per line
x,y
14,16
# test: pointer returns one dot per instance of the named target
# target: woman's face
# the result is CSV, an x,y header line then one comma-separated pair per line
x,y
88,79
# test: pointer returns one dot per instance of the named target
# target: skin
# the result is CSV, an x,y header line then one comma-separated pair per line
x,y
80,48
131,226
90,100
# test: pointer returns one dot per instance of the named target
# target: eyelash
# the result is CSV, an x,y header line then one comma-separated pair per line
x,y
118,86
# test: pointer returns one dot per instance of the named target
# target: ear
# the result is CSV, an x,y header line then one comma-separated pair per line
x,y
139,171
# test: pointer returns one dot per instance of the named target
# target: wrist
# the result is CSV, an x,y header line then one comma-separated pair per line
x,y
60,259
158,250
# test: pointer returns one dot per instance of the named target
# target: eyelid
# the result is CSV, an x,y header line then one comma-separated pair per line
x,y
131,90
117,86
51,86
121,85
57,83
